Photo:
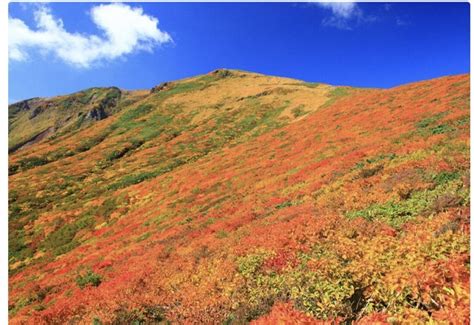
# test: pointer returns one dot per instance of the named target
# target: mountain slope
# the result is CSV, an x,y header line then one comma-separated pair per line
x,y
217,198
32,120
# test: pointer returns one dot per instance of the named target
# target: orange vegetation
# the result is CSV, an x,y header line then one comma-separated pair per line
x,y
236,197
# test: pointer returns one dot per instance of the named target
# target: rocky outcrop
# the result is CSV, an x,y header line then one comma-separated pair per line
x,y
112,98
21,106
102,110
35,112
97,113
221,73
34,139
161,87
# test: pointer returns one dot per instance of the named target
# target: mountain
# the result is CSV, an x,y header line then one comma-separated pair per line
x,y
236,197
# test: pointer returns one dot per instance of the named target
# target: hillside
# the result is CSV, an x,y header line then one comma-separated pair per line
x,y
235,197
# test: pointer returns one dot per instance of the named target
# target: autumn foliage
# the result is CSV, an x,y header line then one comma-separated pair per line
x,y
241,198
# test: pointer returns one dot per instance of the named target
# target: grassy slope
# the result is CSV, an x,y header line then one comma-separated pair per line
x,y
224,195
60,115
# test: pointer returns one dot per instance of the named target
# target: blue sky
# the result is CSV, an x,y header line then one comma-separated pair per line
x,y
61,48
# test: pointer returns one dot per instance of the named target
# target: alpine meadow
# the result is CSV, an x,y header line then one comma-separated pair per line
x,y
235,196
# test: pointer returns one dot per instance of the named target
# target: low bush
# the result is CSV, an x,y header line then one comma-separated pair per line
x,y
448,192
298,111
90,278
369,172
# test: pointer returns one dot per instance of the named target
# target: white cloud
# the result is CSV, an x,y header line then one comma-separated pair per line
x,y
340,9
342,14
125,30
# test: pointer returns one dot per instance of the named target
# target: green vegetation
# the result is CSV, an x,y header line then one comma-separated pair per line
x,y
105,209
448,191
442,128
36,161
140,177
298,111
111,96
133,114
184,87
17,248
284,205
63,239
430,126
376,159
86,96
143,237
222,234
324,294
311,84
117,154
335,95
424,123
89,278
89,143
31,162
